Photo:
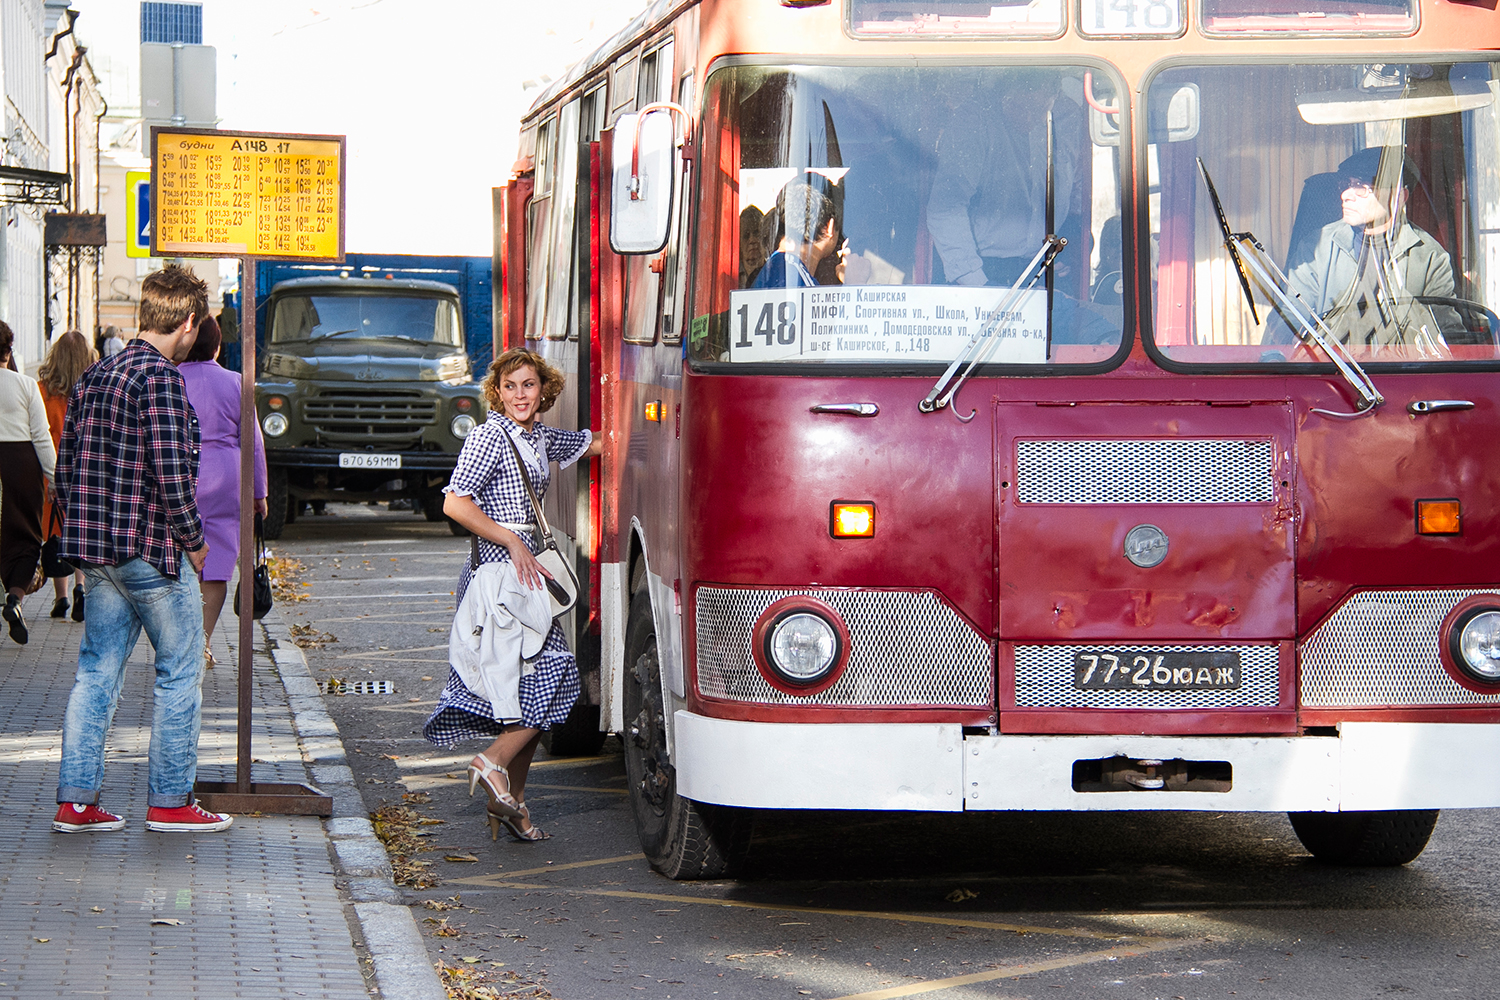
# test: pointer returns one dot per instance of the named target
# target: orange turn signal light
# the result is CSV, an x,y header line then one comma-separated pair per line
x,y
275,402
653,411
1439,517
851,520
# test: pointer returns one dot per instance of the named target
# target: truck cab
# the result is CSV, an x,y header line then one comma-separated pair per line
x,y
366,392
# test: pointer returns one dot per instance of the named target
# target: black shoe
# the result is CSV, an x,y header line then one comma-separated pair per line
x,y
78,604
12,614
60,608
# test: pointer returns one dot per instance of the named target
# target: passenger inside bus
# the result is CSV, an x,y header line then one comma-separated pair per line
x,y
1374,274
809,233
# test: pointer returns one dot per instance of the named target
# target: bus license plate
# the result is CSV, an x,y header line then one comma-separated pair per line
x,y
368,460
1144,671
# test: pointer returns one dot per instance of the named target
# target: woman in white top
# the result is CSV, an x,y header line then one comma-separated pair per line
x,y
27,458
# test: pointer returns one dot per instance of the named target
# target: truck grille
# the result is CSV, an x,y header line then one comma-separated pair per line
x,y
1044,679
1381,648
905,649
365,416
1150,471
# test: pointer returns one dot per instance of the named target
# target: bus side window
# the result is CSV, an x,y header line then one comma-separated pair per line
x,y
674,264
538,241
643,277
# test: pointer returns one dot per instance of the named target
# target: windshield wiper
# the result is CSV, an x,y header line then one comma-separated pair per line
x,y
336,333
980,346
1247,252
977,351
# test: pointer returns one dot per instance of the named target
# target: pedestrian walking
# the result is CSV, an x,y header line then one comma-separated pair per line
x,y
487,495
69,358
129,462
27,459
214,393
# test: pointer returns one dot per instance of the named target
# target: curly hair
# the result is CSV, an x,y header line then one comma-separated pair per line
x,y
71,354
513,360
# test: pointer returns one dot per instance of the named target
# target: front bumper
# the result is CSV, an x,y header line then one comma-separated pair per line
x,y
935,767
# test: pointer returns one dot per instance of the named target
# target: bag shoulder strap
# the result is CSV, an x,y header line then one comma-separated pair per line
x,y
536,508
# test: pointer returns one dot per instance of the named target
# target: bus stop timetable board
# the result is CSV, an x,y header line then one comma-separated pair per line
x,y
238,194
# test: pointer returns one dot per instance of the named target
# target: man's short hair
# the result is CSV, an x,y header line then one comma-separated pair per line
x,y
169,297
1366,164
805,212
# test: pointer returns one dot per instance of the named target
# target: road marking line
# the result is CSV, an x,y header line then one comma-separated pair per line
x,y
500,880
411,706
1087,958
558,868
369,597
422,782
578,788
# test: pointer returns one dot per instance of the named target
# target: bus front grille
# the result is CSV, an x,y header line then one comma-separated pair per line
x,y
1380,648
1044,679
907,649
1171,470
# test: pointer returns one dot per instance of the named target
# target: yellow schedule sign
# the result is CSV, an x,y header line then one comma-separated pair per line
x,y
237,194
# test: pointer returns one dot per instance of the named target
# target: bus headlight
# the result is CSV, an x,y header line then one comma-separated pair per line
x,y
800,645
1475,644
803,648
274,425
462,425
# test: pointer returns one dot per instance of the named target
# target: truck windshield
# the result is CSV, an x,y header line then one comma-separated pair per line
x,y
880,215
1371,196
408,317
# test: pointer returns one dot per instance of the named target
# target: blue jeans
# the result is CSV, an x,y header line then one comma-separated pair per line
x,y
122,601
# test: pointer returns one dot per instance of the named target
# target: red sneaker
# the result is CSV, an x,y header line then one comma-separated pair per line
x,y
74,817
189,817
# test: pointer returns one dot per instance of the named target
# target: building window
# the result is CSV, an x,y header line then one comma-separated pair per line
x,y
172,22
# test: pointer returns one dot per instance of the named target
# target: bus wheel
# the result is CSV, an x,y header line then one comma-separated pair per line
x,y
276,503
579,736
682,839
1370,839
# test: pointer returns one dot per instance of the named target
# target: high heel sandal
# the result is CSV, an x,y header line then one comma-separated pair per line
x,y
528,836
501,800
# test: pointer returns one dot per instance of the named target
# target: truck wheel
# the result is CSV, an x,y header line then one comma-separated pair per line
x,y
579,736
1367,839
276,502
681,838
432,505
455,528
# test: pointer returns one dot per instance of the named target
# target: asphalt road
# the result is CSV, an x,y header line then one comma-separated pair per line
x,y
845,905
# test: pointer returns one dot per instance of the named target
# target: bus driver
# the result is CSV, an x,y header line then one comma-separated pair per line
x,y
1371,266
810,231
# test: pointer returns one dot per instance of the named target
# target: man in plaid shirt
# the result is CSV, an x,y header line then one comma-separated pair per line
x,y
126,478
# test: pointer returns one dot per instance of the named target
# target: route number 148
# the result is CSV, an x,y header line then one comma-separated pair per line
x,y
777,323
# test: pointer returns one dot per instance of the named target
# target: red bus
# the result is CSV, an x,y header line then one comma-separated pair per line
x,y
1082,405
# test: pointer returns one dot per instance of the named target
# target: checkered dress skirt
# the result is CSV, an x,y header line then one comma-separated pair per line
x,y
487,472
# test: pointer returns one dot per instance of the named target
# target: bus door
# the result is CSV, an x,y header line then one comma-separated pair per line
x,y
1146,564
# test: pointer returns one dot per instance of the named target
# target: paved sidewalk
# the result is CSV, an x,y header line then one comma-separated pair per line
x,y
277,906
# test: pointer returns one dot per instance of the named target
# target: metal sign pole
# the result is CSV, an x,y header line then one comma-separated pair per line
x,y
247,519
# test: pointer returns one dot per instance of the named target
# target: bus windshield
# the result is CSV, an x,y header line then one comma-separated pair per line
x,y
882,215
410,317
1365,204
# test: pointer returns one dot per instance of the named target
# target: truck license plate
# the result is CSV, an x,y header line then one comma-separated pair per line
x,y
368,460
1146,671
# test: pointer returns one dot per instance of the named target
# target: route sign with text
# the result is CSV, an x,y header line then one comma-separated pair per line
x,y
235,194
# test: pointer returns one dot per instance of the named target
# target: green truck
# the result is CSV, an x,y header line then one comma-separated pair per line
x,y
366,391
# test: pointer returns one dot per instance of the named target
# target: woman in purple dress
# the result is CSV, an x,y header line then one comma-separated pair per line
x,y
215,394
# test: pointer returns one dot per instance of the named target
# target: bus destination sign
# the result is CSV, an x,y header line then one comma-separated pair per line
x,y
234,194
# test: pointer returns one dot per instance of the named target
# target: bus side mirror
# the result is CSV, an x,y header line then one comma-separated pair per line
x,y
643,173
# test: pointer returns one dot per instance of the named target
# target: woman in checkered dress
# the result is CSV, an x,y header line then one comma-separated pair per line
x,y
486,495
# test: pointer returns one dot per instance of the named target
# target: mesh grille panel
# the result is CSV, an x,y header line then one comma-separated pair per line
x,y
1151,471
1381,648
905,649
1044,679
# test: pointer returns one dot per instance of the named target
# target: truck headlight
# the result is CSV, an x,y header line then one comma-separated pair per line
x,y
461,425
275,424
1475,644
800,645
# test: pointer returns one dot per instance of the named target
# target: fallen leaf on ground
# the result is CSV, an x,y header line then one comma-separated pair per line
x,y
459,857
167,922
959,895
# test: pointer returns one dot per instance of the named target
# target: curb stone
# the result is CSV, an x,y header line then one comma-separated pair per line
x,y
361,865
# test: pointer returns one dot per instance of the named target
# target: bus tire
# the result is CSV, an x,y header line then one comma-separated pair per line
x,y
682,839
1367,839
579,736
276,503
